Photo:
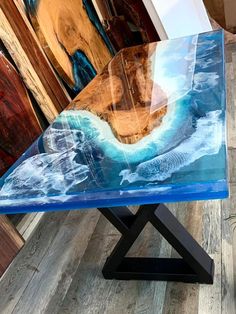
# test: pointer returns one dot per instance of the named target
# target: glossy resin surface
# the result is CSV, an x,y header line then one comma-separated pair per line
x,y
150,128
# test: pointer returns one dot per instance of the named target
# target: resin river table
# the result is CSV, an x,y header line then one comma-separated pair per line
x,y
149,129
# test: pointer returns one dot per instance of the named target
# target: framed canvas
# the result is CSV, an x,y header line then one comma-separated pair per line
x,y
179,18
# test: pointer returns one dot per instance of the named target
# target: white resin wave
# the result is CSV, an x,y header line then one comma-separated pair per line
x,y
206,140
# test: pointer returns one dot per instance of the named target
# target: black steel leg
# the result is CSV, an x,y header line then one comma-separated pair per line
x,y
195,266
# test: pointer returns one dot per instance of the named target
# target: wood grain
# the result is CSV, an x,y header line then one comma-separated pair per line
x,y
179,297
216,9
135,12
230,38
83,294
123,93
59,266
229,205
102,6
10,244
64,29
19,126
88,279
213,224
28,224
229,253
127,22
212,244
230,19
21,42
26,263
137,297
231,114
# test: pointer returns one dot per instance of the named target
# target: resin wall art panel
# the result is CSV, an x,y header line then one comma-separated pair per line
x,y
150,128
72,37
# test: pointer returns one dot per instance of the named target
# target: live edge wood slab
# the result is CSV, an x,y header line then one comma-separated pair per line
x,y
21,42
72,37
19,126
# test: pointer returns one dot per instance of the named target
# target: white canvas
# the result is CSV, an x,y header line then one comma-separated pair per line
x,y
178,18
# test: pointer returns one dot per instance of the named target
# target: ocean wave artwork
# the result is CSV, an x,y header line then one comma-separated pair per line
x,y
149,128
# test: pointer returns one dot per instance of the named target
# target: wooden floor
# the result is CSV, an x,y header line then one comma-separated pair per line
x,y
59,269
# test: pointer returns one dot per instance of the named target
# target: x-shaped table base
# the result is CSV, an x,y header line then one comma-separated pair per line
x,y
194,266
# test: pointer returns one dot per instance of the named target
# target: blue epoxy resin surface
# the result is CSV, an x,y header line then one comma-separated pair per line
x,y
150,128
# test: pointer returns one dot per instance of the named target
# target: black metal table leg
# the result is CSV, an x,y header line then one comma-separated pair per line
x,y
194,266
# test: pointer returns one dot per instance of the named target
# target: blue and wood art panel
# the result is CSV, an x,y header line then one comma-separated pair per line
x,y
73,38
150,128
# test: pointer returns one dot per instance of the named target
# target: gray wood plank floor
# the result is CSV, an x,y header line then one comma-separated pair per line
x,y
59,269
